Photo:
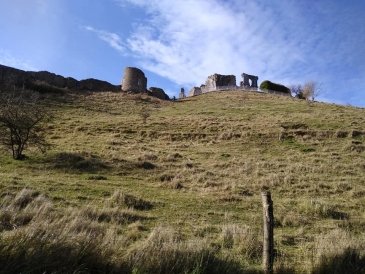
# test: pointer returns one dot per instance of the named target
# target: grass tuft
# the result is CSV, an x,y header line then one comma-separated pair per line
x,y
338,252
120,199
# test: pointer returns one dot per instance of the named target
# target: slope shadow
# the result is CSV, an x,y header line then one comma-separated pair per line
x,y
79,162
350,261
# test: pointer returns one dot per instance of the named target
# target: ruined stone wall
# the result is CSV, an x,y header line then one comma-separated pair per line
x,y
134,80
195,91
246,80
216,81
182,93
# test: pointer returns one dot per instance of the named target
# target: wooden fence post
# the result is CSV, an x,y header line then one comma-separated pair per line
x,y
268,214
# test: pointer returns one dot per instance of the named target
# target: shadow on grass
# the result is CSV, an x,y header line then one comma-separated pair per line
x,y
65,258
79,162
350,261
34,255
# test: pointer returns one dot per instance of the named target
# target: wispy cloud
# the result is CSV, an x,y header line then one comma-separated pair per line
x,y
113,39
187,40
286,41
7,59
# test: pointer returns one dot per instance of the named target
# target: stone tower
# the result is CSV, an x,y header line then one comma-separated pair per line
x,y
182,93
134,80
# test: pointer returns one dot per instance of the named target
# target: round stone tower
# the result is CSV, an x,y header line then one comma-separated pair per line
x,y
134,80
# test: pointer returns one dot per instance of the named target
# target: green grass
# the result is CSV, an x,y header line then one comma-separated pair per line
x,y
196,169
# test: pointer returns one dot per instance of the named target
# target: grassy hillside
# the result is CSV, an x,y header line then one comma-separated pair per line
x,y
181,192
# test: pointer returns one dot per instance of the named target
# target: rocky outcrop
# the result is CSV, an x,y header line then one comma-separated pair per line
x,y
97,85
44,81
159,93
11,78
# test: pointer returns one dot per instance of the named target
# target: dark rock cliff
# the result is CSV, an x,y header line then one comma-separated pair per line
x,y
159,93
11,78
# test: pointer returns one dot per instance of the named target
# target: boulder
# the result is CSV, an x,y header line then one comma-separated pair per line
x,y
159,93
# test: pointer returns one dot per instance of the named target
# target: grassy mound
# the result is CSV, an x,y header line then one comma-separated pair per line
x,y
180,192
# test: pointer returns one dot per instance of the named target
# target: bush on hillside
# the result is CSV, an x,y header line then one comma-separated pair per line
x,y
309,91
22,123
268,85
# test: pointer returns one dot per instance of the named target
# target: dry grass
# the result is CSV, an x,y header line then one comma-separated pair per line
x,y
92,240
165,252
339,252
197,166
121,199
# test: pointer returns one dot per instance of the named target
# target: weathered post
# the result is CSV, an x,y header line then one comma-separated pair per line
x,y
268,214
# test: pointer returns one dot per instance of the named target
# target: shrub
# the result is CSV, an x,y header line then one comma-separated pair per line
x,y
22,123
310,91
268,85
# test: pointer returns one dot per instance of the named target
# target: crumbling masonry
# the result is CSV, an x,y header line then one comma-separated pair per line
x,y
182,93
225,82
134,80
217,81
246,81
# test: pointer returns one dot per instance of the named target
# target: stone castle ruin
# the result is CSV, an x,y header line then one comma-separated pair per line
x,y
195,91
134,80
225,82
182,93
216,81
246,81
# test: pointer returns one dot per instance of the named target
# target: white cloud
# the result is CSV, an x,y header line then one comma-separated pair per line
x,y
283,41
113,39
7,59
186,41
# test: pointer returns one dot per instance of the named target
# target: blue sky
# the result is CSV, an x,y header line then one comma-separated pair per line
x,y
178,43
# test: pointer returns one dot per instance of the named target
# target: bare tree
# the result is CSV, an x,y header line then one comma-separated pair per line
x,y
22,123
296,91
311,90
